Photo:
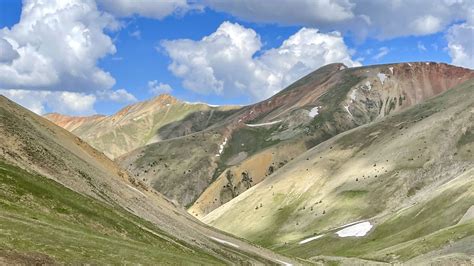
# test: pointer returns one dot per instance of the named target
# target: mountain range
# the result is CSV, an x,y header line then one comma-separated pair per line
x,y
363,165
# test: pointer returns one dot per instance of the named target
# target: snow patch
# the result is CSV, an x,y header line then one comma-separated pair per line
x,y
391,69
304,241
409,64
356,230
367,83
284,263
223,242
263,124
353,95
314,111
347,109
342,67
136,190
221,147
382,77
210,105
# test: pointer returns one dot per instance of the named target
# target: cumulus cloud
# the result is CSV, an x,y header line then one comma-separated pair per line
x,y
65,102
383,19
145,8
7,53
225,61
461,44
48,60
56,45
158,88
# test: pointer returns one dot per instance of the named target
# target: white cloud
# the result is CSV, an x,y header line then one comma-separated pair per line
x,y
461,44
137,34
288,11
145,8
426,25
158,88
7,53
120,96
225,62
383,51
420,46
65,102
58,44
383,19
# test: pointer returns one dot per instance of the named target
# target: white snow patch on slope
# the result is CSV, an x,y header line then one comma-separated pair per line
x,y
210,105
221,147
304,241
284,263
263,124
382,77
223,242
136,190
314,111
367,83
347,109
391,69
357,230
353,95
342,67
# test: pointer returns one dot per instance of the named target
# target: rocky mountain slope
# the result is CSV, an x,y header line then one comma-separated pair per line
x,y
62,201
400,189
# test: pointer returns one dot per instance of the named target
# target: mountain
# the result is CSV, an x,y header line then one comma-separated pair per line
x,y
137,125
63,202
204,158
398,190
207,168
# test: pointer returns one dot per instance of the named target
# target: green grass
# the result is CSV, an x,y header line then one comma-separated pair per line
x,y
430,221
39,215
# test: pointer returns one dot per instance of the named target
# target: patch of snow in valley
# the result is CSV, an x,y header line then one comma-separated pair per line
x,y
314,111
342,67
223,242
391,69
263,124
304,241
356,230
221,147
382,77
409,64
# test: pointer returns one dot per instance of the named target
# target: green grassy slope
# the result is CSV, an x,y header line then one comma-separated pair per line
x,y
40,216
411,175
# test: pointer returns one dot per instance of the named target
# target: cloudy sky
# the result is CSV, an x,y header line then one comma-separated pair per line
x,y
81,57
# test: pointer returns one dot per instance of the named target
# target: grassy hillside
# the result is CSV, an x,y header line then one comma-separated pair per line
x,y
63,201
410,175
42,220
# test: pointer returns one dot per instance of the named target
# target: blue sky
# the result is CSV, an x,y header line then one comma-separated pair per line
x,y
136,54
